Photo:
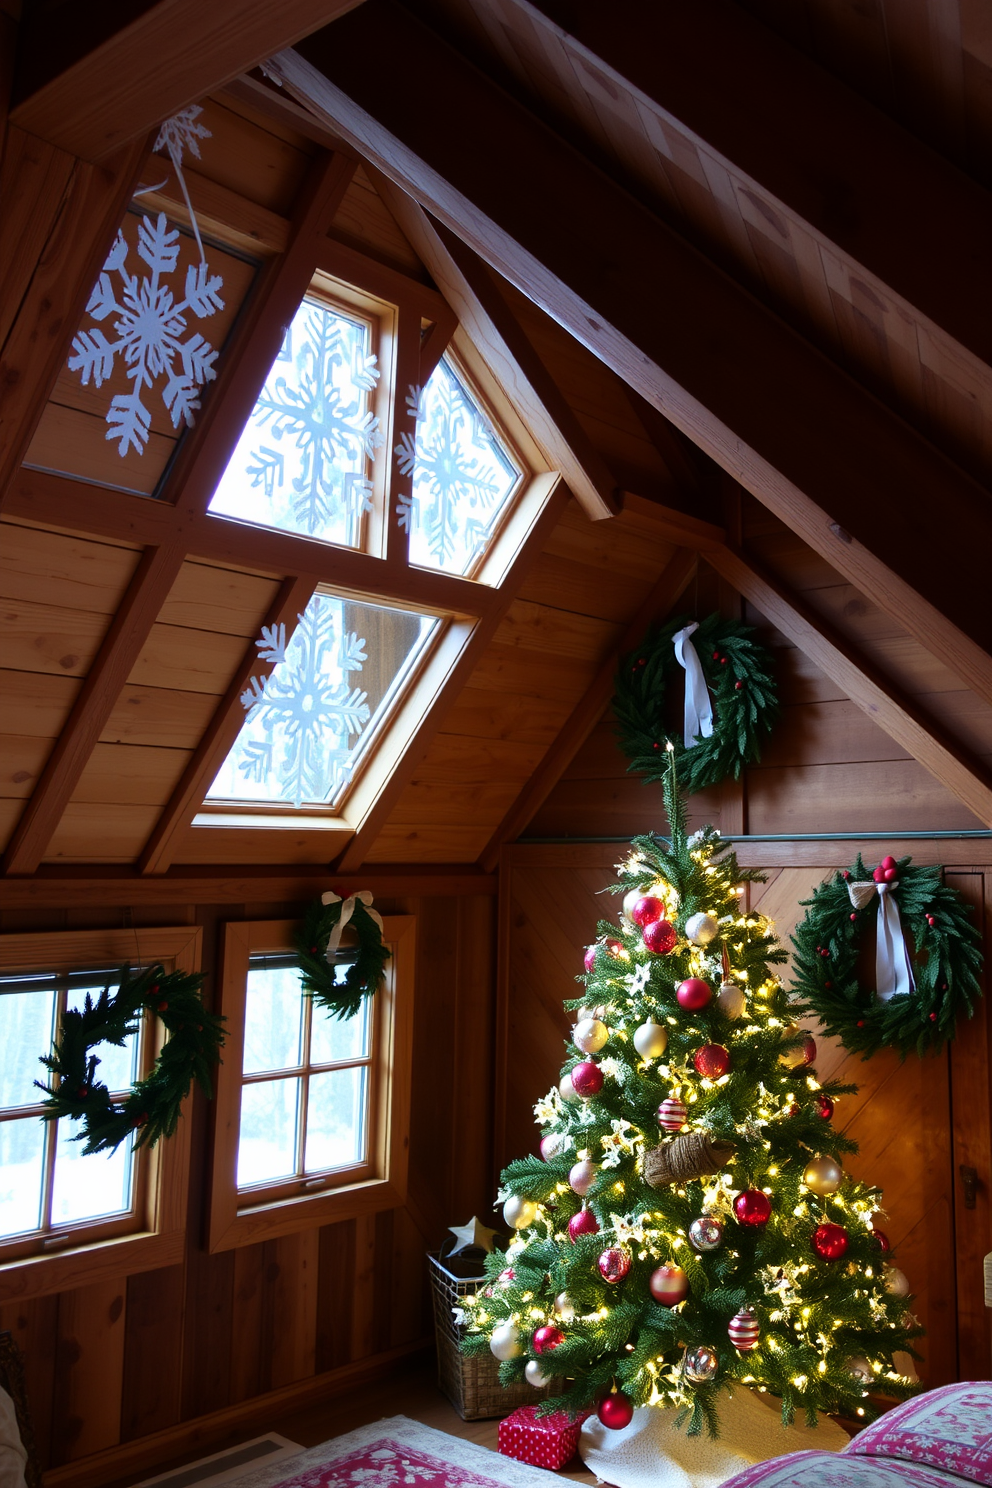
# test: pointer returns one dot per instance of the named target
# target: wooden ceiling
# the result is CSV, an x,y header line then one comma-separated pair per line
x,y
729,263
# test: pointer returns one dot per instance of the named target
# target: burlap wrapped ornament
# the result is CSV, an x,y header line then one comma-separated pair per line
x,y
694,1154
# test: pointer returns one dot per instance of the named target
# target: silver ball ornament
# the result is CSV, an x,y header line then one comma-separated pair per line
x,y
565,1307
730,1000
590,1035
533,1375
582,1175
567,1090
700,1364
651,1039
505,1342
822,1176
860,1368
701,929
519,1213
896,1282
706,1233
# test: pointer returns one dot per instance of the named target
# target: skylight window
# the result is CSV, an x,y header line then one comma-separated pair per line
x,y
463,478
303,462
315,716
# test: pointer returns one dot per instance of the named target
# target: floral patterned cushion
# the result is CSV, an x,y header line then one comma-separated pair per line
x,y
950,1429
838,1470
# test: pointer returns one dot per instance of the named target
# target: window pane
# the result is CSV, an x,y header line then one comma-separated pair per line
x,y
314,716
273,1019
267,1142
26,1026
339,1038
88,1187
462,477
336,1119
302,462
22,1168
118,1067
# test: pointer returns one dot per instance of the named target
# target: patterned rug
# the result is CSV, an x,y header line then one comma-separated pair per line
x,y
400,1453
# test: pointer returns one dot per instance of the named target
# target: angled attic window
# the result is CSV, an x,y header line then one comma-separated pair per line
x,y
463,477
312,721
303,462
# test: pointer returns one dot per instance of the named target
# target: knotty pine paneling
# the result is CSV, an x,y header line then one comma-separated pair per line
x,y
119,1361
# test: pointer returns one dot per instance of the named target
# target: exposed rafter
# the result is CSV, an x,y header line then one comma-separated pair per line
x,y
492,326
88,89
665,594
850,477
968,778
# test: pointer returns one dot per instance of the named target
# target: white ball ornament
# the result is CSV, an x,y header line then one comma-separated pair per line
x,y
896,1282
567,1090
564,1307
590,1035
533,1375
519,1213
629,900
730,1000
582,1176
701,929
505,1342
651,1039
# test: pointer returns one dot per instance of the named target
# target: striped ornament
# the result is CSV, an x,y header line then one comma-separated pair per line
x,y
744,1331
672,1114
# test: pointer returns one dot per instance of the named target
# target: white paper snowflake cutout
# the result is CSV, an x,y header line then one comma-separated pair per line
x,y
149,328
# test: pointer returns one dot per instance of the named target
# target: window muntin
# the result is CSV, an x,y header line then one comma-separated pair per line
x,y
46,1182
306,1086
463,478
303,462
312,721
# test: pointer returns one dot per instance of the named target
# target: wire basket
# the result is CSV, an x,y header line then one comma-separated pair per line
x,y
471,1384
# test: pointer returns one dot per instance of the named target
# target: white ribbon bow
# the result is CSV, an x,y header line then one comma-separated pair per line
x,y
698,723
893,969
347,910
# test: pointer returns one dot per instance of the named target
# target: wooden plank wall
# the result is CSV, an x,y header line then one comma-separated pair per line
x,y
114,1362
916,1122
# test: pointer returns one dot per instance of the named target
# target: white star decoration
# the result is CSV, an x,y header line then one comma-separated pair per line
x,y
471,1235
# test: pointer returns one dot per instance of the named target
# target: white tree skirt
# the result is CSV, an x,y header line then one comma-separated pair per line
x,y
651,1453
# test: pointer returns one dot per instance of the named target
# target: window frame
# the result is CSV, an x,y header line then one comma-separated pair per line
x,y
160,1239
383,1184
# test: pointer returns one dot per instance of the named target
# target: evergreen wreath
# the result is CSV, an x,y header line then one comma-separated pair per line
x,y
340,999
739,677
151,1109
945,951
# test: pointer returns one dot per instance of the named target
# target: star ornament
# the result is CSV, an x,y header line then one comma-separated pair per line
x,y
472,1235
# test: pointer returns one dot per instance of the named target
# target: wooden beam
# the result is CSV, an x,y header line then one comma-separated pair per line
x,y
357,850
678,526
686,463
664,596
473,294
859,485
222,730
58,223
908,725
153,578
89,93
223,214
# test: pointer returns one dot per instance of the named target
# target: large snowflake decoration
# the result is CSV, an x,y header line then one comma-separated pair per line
x,y
305,713
181,133
460,477
324,412
149,328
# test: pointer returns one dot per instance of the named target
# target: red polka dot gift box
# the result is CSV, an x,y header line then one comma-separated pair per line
x,y
543,1441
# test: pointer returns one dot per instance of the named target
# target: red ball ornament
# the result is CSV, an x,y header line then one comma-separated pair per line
x,y
614,1264
583,1223
669,1285
824,1106
753,1207
615,1411
672,1114
647,910
830,1241
589,959
660,937
693,994
881,1239
614,949
547,1338
744,1331
712,1061
587,1079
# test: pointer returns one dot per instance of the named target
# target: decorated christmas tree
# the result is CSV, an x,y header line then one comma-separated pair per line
x,y
689,1223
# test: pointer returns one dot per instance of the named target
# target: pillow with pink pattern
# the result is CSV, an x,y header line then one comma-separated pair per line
x,y
950,1428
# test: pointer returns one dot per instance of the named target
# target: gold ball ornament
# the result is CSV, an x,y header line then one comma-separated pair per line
x,y
822,1176
629,900
519,1213
730,1000
505,1342
896,1281
590,1035
701,929
651,1039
